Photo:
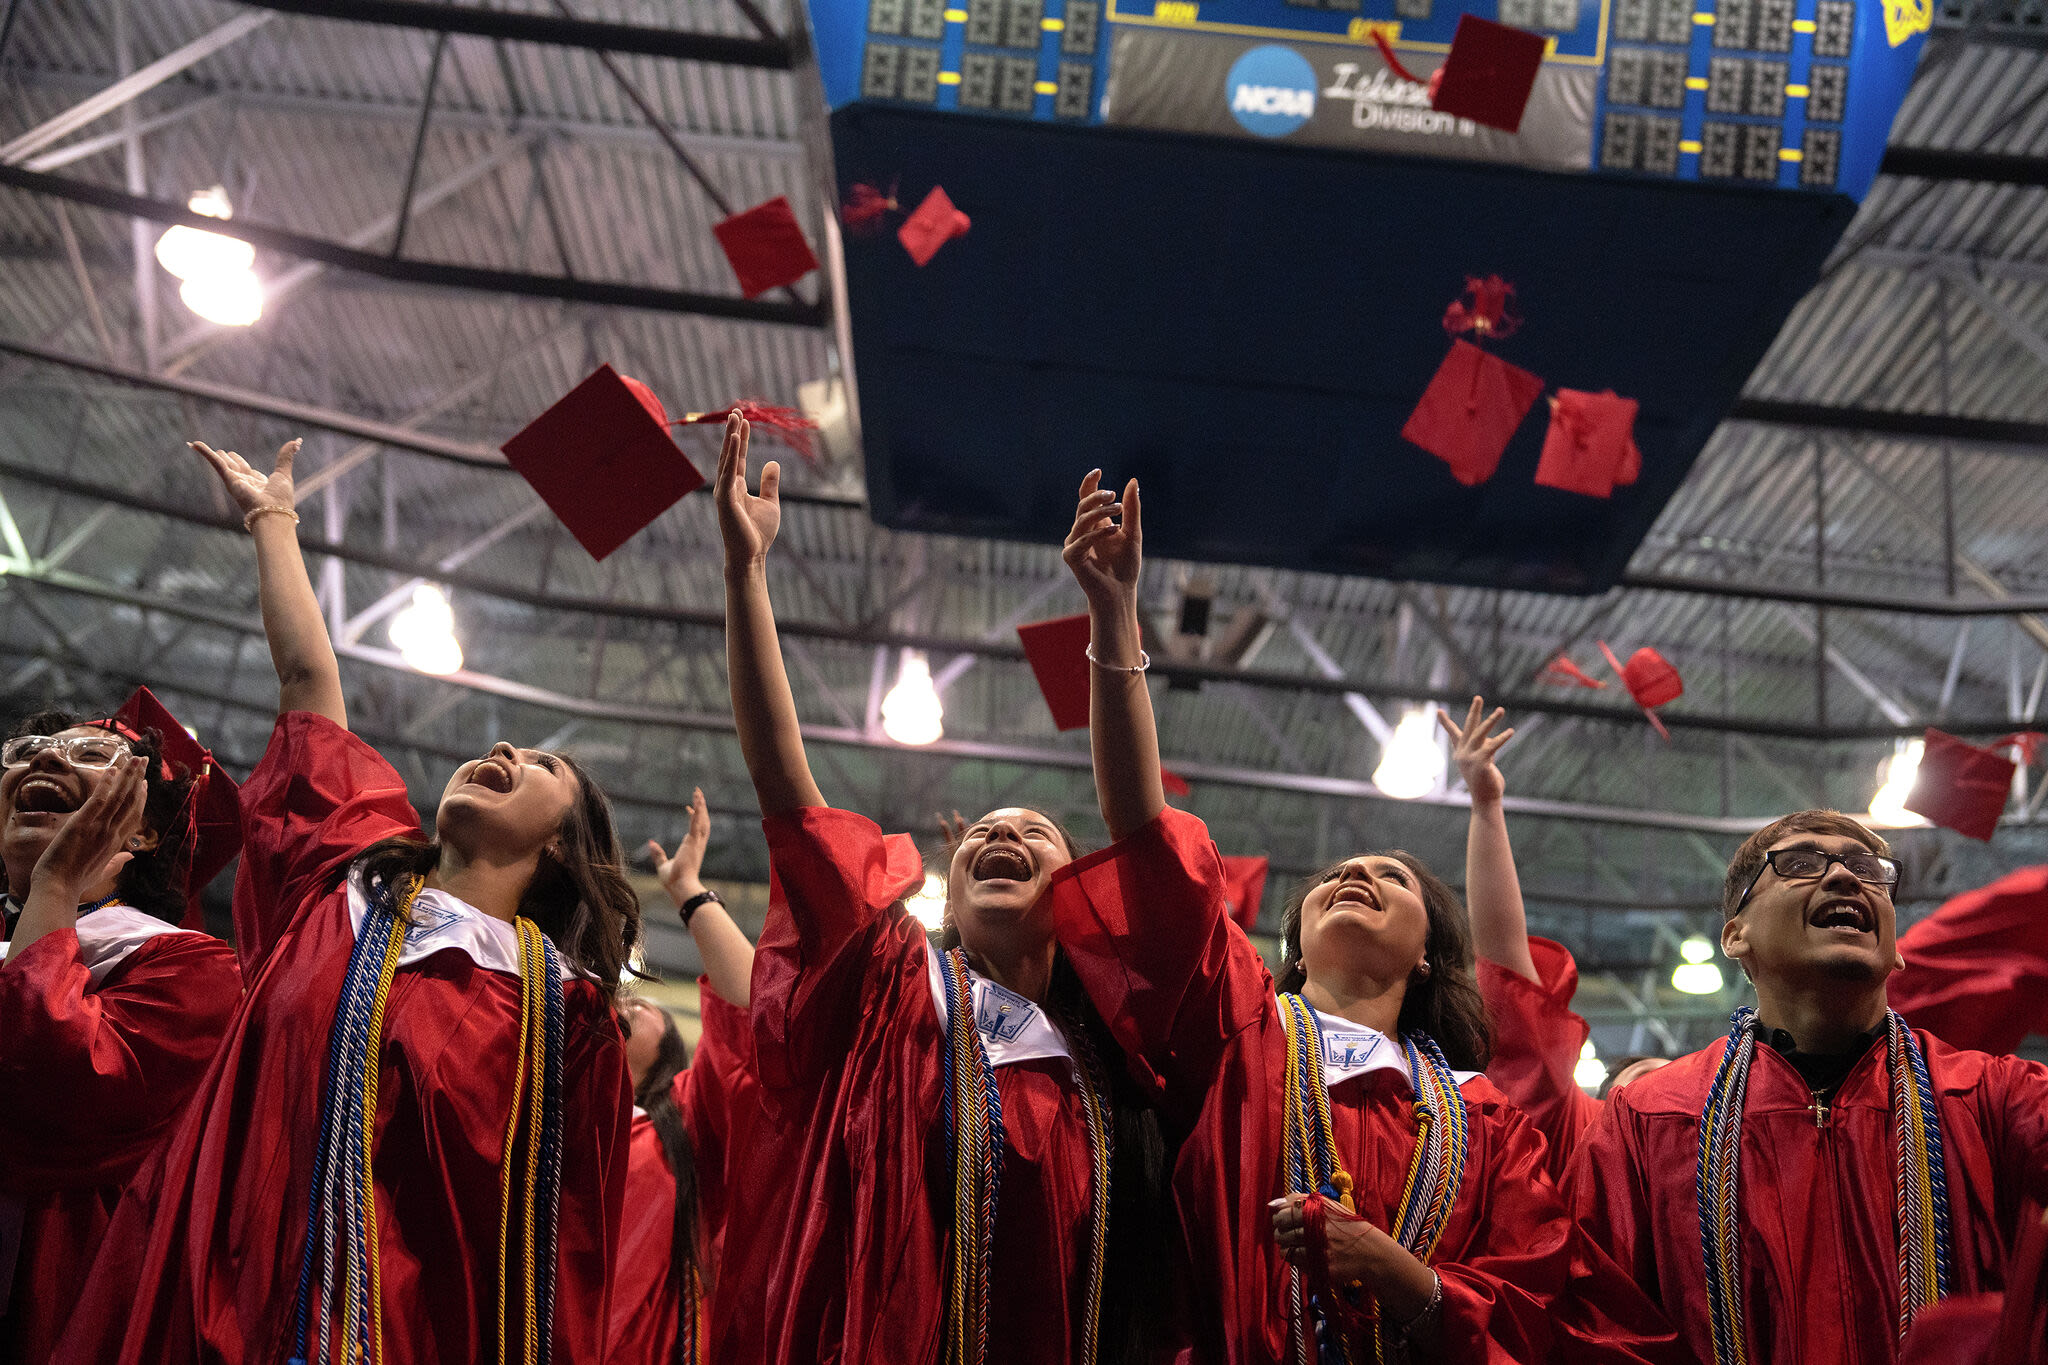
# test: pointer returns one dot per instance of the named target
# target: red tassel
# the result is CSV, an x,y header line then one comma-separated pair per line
x,y
787,424
1487,312
1393,63
2028,742
865,208
1352,1319
1563,670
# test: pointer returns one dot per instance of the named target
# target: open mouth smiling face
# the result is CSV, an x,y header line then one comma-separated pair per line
x,y
1367,907
521,795
1832,921
1003,862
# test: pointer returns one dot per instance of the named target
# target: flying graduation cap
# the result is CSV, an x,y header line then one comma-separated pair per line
x,y
1244,889
1488,74
766,247
1651,681
206,832
1964,788
931,225
1590,447
1470,410
1058,653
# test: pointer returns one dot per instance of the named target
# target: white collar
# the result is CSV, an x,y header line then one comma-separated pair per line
x,y
1353,1049
1013,1029
109,934
443,921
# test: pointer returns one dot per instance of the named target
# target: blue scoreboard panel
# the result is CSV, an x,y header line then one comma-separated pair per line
x,y
1212,240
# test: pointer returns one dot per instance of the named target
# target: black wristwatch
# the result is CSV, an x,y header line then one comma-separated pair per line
x,y
701,898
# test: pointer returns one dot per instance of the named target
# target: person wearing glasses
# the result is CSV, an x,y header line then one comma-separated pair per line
x,y
1800,1191
109,1010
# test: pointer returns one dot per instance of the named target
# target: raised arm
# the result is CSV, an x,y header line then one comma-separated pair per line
x,y
728,955
763,711
1493,891
1105,550
308,678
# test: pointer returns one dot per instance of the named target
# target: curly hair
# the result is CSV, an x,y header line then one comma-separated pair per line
x,y
581,899
153,880
1446,1004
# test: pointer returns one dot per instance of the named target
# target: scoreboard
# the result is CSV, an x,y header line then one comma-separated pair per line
x,y
1797,94
1212,242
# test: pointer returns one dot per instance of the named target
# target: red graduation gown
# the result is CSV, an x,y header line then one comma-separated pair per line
x,y
1144,924
1977,969
850,1052
1820,1264
1536,1042
202,1262
105,1030
644,1305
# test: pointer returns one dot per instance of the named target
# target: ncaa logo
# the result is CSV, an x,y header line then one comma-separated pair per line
x,y
1272,90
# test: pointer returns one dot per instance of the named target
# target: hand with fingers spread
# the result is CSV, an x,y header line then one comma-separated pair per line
x,y
1105,548
681,875
97,840
747,522
953,830
1473,748
252,491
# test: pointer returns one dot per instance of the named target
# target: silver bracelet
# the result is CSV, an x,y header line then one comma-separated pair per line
x,y
1427,1318
1144,662
249,517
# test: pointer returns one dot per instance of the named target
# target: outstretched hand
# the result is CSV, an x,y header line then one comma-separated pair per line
x,y
245,485
748,522
87,848
1473,746
953,830
681,876
1105,548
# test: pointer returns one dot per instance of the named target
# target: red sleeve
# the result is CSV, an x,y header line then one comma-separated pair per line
x,y
319,797
1976,972
834,882
1145,924
2016,1092
1498,1293
1536,1042
91,1078
1609,1198
706,1093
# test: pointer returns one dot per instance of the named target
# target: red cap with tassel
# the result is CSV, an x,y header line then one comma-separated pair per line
x,y
766,247
1651,681
1964,788
1470,410
1058,653
935,223
206,832
1488,74
1590,447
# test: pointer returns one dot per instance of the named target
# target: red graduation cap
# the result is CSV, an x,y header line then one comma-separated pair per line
x,y
1470,410
603,461
1591,445
207,830
934,223
1175,784
766,247
1964,788
1483,308
1651,681
865,208
1488,74
1244,888
1058,654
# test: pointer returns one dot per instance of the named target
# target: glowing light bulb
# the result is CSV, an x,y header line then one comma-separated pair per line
x,y
1413,763
190,252
928,905
911,713
231,298
425,632
1590,1071
1697,974
1895,778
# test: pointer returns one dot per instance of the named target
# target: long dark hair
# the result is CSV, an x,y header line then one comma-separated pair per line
x,y
581,899
153,881
1137,1304
1446,1003
656,1094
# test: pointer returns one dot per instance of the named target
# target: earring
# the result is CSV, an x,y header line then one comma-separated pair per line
x,y
1423,970
134,843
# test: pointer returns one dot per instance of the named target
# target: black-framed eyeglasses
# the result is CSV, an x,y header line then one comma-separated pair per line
x,y
1805,864
80,751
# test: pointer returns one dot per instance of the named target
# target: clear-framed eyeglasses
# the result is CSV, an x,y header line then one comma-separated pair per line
x,y
80,751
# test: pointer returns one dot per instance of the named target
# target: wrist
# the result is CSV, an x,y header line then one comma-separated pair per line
x,y
686,888
746,570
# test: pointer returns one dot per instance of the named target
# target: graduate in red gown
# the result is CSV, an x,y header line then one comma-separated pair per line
x,y
1853,1170
1526,982
958,1167
1349,1187
1976,973
688,1113
109,1011
412,1145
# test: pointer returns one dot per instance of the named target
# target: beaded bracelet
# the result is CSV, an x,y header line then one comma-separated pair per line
x,y
249,517
1144,662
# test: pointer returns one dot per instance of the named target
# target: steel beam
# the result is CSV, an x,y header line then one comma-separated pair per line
x,y
59,157
2008,437
1955,163
592,35
128,87
481,279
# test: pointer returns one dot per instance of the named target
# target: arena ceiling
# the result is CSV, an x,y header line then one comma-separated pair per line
x,y
468,207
